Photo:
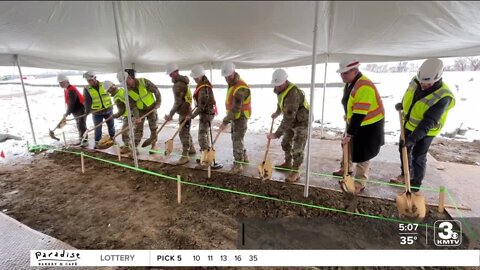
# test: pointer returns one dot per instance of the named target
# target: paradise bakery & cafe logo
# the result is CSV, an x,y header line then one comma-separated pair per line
x,y
55,258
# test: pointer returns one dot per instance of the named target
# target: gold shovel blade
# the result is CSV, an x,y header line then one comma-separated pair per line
x,y
411,205
62,123
168,147
347,184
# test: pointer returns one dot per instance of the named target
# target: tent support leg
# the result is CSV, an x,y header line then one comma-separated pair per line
x,y
26,100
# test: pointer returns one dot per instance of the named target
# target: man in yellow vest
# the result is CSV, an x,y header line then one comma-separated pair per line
x,y
146,96
119,99
239,109
425,105
294,127
205,105
182,106
365,120
98,102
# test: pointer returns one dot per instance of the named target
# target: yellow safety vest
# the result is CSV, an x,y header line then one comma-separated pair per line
x,y
188,95
281,97
246,106
100,99
143,98
120,96
422,105
365,99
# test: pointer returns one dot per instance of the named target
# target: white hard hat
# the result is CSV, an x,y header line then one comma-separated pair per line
x,y
347,64
120,75
107,85
89,75
430,71
279,77
62,78
227,68
197,71
171,67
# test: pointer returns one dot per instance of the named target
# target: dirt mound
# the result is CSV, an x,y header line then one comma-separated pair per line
x,y
449,150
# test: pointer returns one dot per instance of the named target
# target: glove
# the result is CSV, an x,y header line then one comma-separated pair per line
x,y
399,106
409,144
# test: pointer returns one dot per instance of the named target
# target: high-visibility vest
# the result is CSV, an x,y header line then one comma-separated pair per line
x,y
143,98
281,97
246,105
365,99
195,96
120,96
100,99
423,104
188,95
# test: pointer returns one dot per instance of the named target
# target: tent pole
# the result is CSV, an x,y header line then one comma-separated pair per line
x,y
127,103
312,92
323,98
211,72
26,100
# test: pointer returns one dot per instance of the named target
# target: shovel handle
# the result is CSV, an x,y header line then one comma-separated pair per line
x,y
76,117
216,137
99,124
121,131
179,128
345,159
406,169
161,127
268,142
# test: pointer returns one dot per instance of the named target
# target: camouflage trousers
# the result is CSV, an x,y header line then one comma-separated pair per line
x,y
239,128
125,133
204,131
152,123
184,134
293,143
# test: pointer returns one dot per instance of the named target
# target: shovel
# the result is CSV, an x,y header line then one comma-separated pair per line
x,y
346,184
149,141
265,168
60,124
169,143
208,156
409,204
99,124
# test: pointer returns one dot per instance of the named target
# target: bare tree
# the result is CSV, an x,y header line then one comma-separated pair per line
x,y
461,63
474,63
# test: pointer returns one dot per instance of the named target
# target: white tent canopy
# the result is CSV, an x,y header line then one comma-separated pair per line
x,y
81,35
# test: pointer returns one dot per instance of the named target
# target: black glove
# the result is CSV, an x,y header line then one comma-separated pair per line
x,y
399,106
409,144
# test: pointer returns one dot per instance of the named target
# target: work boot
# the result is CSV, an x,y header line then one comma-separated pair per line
x,y
400,179
192,151
293,177
124,149
245,157
184,159
236,169
339,172
285,165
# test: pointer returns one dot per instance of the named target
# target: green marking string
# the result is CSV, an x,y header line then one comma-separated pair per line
x,y
472,232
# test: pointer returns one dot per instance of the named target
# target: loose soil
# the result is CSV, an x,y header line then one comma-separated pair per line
x,y
449,150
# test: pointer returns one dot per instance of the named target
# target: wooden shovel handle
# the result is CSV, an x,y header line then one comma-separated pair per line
x,y
125,128
268,141
76,117
179,128
345,159
216,137
406,169
99,124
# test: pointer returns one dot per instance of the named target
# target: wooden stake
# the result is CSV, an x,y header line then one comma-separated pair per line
x,y
64,141
209,171
82,162
179,190
441,200
118,153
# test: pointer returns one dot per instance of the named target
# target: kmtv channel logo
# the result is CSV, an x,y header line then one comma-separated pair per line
x,y
447,233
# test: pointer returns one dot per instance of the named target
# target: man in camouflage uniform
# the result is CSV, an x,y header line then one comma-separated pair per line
x,y
119,99
239,109
205,105
294,126
182,106
146,96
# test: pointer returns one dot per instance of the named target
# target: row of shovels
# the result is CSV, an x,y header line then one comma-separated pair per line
x,y
410,205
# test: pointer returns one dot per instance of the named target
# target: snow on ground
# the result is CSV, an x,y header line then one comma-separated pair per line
x,y
47,104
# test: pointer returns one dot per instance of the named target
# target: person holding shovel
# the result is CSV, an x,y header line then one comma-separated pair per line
x,y
99,103
294,126
146,97
239,108
119,99
206,105
365,120
425,104
182,106
74,101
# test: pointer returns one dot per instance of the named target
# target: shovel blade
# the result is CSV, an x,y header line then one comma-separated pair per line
x,y
168,147
411,205
347,184
52,135
203,158
207,157
147,142
62,123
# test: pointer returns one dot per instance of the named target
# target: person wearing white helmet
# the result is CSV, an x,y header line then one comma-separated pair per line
x,y
183,107
294,126
425,105
146,97
365,118
239,108
118,95
74,101
99,103
205,105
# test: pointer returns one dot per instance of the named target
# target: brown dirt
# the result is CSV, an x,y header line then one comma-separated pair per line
x,y
110,207
449,150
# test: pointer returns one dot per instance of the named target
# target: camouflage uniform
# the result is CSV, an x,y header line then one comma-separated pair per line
x,y
122,113
239,126
294,126
152,118
205,101
183,108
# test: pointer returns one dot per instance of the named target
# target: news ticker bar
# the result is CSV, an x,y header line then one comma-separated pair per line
x,y
466,258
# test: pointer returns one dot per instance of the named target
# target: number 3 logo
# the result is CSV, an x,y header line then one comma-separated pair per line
x,y
447,231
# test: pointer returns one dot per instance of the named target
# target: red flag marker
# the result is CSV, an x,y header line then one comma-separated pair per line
x,y
2,154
